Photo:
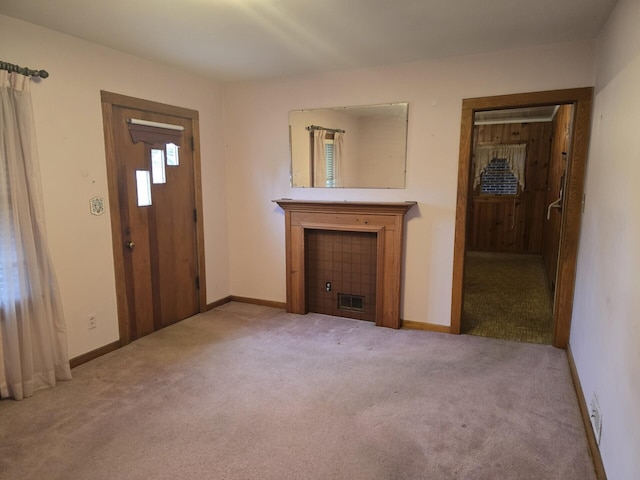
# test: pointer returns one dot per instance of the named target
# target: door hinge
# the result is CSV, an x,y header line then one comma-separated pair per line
x,y
193,143
197,283
195,215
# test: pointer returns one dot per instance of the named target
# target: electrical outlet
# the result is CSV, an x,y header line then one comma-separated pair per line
x,y
596,417
92,321
327,286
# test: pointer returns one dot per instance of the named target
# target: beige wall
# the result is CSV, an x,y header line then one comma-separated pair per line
x,y
68,121
248,167
256,123
605,332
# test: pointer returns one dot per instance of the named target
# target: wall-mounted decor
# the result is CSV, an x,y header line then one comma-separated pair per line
x,y
349,147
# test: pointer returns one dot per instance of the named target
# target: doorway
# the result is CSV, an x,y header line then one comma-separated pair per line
x,y
153,173
569,218
519,164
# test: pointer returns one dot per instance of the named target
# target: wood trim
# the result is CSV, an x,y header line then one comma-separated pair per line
x,y
148,105
93,354
114,211
530,99
429,327
462,206
321,206
218,303
571,219
197,178
109,100
598,464
581,98
257,301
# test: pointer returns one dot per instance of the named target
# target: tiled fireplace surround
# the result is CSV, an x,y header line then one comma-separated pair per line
x,y
318,221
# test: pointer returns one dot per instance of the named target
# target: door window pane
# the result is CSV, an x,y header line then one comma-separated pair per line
x,y
157,166
172,155
143,183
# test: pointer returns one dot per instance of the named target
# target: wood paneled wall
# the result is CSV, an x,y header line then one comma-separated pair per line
x,y
508,224
557,168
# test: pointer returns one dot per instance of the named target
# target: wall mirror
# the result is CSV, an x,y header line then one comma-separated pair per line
x,y
349,147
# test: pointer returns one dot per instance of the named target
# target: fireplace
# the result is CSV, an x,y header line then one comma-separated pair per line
x,y
340,273
383,221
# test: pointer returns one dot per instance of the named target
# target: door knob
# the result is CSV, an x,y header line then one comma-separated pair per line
x,y
130,245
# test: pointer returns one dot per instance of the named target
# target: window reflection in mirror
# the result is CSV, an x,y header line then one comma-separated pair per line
x,y
369,145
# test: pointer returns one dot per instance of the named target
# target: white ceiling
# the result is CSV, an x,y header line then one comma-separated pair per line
x,y
232,40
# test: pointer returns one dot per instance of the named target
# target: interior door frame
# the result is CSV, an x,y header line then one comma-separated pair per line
x,y
581,99
109,101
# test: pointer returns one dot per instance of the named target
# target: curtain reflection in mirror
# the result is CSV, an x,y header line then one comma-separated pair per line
x,y
338,141
372,155
326,157
319,158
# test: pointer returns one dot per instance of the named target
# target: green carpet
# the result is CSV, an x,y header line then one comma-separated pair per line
x,y
507,296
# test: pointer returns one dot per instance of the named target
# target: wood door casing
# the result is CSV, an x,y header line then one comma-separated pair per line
x,y
172,256
581,99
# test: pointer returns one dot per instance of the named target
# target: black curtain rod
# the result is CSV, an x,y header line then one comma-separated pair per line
x,y
317,127
27,72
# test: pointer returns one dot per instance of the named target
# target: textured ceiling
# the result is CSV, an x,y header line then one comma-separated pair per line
x,y
232,40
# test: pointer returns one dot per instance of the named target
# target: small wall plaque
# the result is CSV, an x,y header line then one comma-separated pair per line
x,y
97,205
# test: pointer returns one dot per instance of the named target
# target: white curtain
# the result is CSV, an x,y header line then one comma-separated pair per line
x,y
33,341
338,143
319,161
514,154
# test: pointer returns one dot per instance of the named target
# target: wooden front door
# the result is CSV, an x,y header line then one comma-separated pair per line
x,y
155,225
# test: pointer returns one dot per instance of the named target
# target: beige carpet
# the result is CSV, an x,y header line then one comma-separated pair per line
x,y
248,392
507,296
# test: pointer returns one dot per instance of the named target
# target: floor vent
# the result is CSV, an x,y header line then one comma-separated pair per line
x,y
351,302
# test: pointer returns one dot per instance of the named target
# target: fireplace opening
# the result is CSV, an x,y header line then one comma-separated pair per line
x,y
340,273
